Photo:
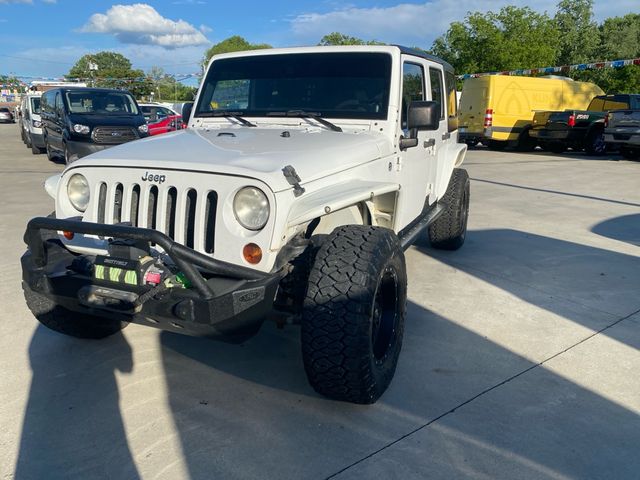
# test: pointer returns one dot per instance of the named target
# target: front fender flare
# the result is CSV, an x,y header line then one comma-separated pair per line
x,y
335,197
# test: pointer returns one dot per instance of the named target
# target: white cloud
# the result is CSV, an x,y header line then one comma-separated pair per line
x,y
142,24
420,23
205,29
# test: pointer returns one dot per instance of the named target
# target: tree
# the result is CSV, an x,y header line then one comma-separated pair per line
x,y
620,37
578,42
232,44
512,38
113,71
619,40
166,87
337,38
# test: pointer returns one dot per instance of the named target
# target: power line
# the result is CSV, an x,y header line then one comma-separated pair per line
x,y
36,59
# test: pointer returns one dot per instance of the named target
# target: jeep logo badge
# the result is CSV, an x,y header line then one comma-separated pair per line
x,y
115,134
150,177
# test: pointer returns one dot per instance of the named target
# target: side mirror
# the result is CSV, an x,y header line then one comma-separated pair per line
x,y
421,115
186,112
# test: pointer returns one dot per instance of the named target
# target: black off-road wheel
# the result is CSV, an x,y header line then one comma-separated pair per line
x,y
68,322
354,311
449,230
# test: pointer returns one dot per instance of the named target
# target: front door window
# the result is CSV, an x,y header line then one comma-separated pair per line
x,y
412,88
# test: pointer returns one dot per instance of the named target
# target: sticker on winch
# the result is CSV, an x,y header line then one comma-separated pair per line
x,y
115,274
116,270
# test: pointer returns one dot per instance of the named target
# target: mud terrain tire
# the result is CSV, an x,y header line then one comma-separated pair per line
x,y
449,230
353,316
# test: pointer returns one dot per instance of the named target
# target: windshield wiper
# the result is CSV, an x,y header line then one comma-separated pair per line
x,y
304,114
235,115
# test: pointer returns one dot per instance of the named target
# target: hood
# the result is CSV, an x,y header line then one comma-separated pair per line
x,y
94,120
256,152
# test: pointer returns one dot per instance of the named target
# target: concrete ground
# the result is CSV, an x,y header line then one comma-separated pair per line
x,y
520,357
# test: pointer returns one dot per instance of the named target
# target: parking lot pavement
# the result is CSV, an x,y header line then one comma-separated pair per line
x,y
520,357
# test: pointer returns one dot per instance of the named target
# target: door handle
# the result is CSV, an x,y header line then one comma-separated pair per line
x,y
446,136
429,143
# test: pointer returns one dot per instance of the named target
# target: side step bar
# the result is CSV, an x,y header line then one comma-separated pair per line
x,y
410,233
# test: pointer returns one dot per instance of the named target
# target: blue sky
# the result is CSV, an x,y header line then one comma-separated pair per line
x,y
46,37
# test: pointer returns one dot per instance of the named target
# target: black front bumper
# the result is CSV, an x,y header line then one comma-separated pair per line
x,y
225,301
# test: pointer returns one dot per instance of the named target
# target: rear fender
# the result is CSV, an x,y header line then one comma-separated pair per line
x,y
454,157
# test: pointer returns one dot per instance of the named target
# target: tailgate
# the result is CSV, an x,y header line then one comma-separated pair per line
x,y
540,119
624,119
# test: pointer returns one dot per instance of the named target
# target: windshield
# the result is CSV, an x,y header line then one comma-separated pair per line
x,y
336,85
102,103
35,105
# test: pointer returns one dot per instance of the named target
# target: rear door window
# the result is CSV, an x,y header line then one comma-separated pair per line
x,y
437,89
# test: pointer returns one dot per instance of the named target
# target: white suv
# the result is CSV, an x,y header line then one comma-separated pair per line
x,y
303,176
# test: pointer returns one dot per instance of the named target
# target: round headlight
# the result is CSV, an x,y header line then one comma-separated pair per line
x,y
144,128
78,192
251,208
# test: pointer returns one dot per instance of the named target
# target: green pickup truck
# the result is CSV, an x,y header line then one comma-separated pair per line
x,y
578,129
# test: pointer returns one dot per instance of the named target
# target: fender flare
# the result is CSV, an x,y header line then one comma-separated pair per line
x,y
335,197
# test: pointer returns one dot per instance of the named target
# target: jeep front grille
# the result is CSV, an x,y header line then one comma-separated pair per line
x,y
187,216
113,135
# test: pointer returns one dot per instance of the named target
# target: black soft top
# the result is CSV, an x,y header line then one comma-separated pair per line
x,y
427,56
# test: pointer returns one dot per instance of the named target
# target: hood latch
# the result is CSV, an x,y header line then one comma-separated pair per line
x,y
292,177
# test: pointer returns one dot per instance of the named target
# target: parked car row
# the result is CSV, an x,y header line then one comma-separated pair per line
x,y
554,113
580,129
69,123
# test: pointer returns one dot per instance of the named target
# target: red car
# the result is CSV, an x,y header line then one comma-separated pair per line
x,y
160,119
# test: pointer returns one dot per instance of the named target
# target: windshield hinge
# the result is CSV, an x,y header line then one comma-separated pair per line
x,y
292,177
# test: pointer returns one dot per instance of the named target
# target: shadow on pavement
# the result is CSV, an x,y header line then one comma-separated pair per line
x,y
625,228
72,424
556,192
552,274
474,407
460,404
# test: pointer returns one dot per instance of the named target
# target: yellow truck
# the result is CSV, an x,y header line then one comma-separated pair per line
x,y
497,110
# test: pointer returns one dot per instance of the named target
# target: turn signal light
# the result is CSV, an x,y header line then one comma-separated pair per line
x,y
68,235
252,253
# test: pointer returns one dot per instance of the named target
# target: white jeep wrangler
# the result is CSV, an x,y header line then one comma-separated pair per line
x,y
302,177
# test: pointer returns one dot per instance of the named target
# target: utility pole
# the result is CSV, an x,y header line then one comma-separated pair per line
x,y
93,67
